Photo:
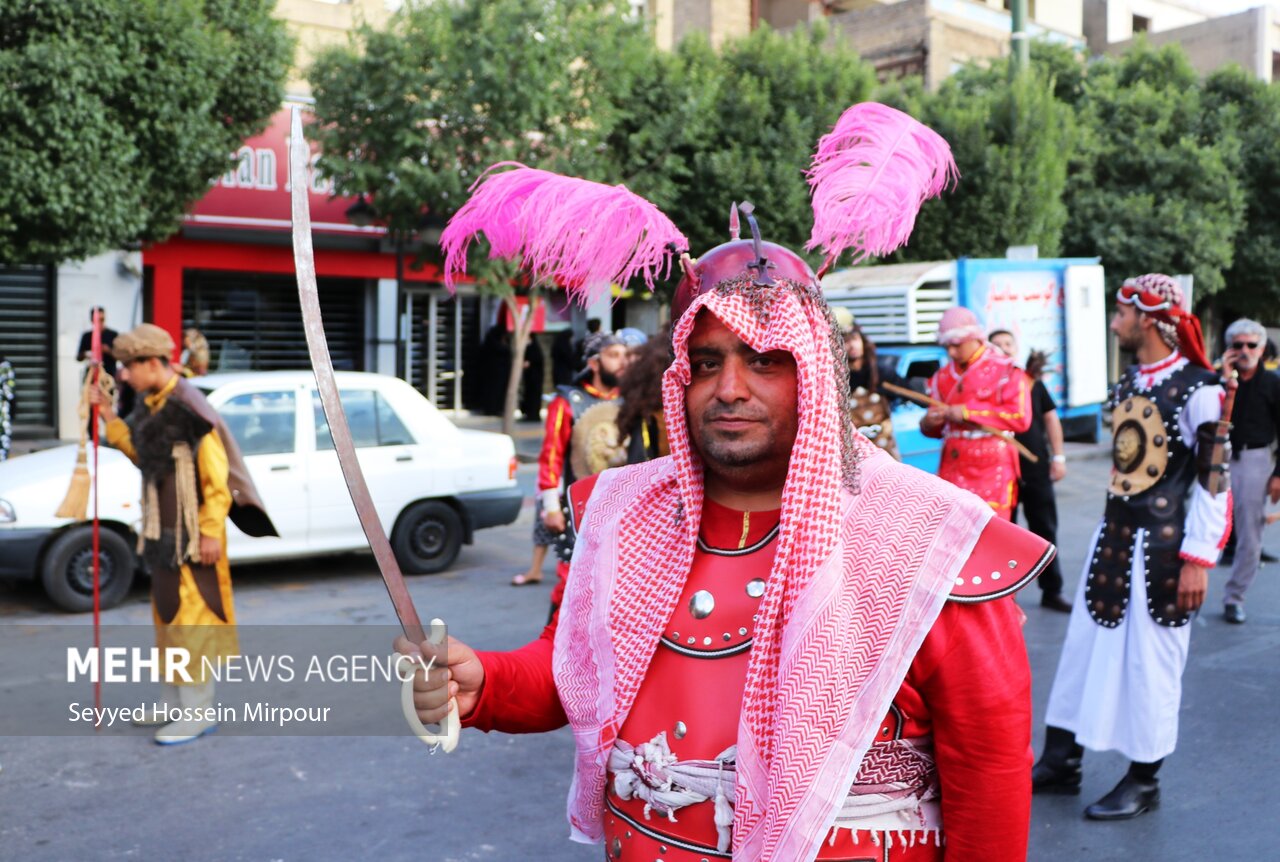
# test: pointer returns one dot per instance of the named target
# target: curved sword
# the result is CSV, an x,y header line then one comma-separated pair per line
x,y
326,384
305,263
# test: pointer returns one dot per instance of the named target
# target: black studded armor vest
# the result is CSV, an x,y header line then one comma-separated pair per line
x,y
1153,468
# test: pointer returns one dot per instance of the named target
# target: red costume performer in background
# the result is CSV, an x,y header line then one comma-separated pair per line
x,y
570,403
606,358
842,676
987,388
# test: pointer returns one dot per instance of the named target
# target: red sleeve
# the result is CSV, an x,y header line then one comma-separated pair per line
x,y
555,444
973,674
934,387
1012,409
519,693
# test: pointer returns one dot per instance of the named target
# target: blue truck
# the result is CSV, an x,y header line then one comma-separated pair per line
x,y
1056,305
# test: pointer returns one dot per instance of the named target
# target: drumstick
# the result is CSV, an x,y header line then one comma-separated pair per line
x,y
912,395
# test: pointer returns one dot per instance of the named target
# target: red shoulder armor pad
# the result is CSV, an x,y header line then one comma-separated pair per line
x,y
1006,559
579,494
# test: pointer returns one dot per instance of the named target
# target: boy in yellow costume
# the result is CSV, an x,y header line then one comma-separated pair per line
x,y
193,479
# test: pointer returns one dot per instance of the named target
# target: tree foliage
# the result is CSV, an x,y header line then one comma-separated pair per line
x,y
1154,183
117,114
1253,106
1008,138
412,115
776,96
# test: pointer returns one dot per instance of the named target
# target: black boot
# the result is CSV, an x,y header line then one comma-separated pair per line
x,y
1137,793
1059,768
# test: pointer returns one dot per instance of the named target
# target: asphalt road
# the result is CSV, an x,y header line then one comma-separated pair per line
x,y
226,797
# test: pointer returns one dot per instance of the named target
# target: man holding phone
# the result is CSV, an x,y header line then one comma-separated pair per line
x,y
1255,475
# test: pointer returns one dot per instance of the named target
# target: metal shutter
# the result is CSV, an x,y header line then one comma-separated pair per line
x,y
253,322
27,314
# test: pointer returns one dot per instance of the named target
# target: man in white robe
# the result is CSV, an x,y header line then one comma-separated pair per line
x,y
1119,680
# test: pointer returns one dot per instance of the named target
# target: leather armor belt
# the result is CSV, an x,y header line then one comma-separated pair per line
x,y
896,779
973,435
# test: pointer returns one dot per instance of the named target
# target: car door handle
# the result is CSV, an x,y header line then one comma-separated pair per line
x,y
280,468
404,457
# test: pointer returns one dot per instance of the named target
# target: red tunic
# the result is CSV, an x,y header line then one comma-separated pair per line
x,y
996,393
555,442
966,701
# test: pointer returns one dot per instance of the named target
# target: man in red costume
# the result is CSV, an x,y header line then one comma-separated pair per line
x,y
980,386
607,359
757,662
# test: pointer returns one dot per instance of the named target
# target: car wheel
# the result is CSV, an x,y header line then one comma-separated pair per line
x,y
67,570
427,538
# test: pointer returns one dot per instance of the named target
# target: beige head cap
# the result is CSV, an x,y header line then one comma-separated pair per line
x,y
141,342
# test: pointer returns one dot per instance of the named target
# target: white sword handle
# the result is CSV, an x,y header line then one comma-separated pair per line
x,y
451,726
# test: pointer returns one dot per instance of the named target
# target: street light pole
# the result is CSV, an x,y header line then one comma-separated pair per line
x,y
1021,48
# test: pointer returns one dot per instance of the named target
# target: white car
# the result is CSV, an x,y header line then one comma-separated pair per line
x,y
432,484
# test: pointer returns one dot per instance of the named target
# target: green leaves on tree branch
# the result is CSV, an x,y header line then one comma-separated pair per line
x,y
116,115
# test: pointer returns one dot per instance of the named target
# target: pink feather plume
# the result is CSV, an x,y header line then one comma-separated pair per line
x,y
576,233
869,176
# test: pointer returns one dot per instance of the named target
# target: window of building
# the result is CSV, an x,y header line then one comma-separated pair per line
x,y
1141,24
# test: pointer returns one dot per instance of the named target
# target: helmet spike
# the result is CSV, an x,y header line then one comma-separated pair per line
x,y
761,265
733,221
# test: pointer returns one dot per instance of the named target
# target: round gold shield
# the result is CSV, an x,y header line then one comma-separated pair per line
x,y
1139,446
595,443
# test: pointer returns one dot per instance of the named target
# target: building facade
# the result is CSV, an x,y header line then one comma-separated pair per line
x,y
1250,38
930,38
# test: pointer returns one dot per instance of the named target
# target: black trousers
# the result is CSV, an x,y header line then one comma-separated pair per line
x,y
1035,497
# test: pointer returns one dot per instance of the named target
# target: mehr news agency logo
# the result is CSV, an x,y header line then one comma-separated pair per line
x,y
173,665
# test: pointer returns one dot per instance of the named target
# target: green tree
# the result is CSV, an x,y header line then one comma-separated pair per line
x,y
776,96
1008,138
1154,183
116,114
1253,281
412,116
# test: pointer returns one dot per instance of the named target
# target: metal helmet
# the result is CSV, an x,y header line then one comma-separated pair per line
x,y
764,261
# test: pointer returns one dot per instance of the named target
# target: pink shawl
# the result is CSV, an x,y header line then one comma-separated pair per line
x,y
857,582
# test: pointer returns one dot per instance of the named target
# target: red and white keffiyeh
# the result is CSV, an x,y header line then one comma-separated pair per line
x,y
857,582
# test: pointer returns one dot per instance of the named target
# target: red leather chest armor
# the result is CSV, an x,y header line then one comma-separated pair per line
x,y
693,689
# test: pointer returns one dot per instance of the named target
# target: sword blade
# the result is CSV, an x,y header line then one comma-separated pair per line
x,y
326,384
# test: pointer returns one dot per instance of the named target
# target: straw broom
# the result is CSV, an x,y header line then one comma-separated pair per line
x,y
76,504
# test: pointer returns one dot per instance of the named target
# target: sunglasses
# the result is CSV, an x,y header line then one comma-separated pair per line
x,y
1241,345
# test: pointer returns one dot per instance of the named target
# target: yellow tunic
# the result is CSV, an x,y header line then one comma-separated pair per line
x,y
196,626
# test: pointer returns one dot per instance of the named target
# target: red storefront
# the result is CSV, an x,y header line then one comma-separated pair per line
x,y
229,273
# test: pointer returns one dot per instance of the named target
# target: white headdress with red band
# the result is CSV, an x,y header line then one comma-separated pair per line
x,y
1160,297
